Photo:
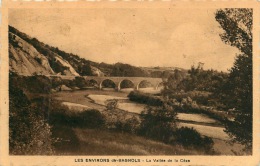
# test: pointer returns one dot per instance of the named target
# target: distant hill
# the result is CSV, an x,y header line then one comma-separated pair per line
x,y
29,56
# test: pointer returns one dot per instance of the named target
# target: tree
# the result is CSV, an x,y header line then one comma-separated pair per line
x,y
158,123
237,91
175,79
172,81
80,82
85,69
29,132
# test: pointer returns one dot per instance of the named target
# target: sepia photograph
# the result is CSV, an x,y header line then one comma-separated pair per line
x,y
130,81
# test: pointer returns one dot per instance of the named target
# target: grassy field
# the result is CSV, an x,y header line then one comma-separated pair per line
x,y
78,141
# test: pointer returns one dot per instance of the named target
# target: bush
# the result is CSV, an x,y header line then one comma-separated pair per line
x,y
158,123
117,120
56,82
86,119
210,112
130,125
33,84
29,132
38,60
69,83
189,137
80,82
111,104
145,98
201,97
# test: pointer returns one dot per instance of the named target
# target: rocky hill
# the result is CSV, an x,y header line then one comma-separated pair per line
x,y
29,56
25,59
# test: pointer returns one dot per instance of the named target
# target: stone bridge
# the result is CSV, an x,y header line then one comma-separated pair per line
x,y
155,82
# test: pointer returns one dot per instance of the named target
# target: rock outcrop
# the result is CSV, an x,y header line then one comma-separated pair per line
x,y
25,59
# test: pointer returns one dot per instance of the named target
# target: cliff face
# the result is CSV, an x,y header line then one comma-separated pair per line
x,y
96,71
25,59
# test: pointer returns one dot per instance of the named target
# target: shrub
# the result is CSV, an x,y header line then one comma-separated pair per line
x,y
91,119
111,104
39,84
56,82
29,132
80,82
210,112
86,119
158,123
145,98
69,83
130,125
117,120
38,60
189,137
201,97
33,84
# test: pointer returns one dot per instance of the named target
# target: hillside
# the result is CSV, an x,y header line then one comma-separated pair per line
x,y
102,142
29,56
25,59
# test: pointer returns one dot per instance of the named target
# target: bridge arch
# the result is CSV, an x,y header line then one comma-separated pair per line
x,y
158,85
92,83
143,81
119,87
108,82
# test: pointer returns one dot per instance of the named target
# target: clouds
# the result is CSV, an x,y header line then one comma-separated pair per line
x,y
141,37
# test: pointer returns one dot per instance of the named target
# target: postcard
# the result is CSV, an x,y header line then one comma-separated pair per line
x,y
129,83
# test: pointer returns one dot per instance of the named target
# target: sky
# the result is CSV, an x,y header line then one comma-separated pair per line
x,y
142,37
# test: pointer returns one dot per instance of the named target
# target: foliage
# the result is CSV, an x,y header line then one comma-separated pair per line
x,y
29,132
237,24
144,98
156,74
84,119
56,82
81,65
158,123
191,138
130,125
126,70
69,83
113,119
237,91
56,66
80,82
111,104
200,80
187,105
32,84
118,120
173,81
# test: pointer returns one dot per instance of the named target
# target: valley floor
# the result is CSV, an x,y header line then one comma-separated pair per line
x,y
203,124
